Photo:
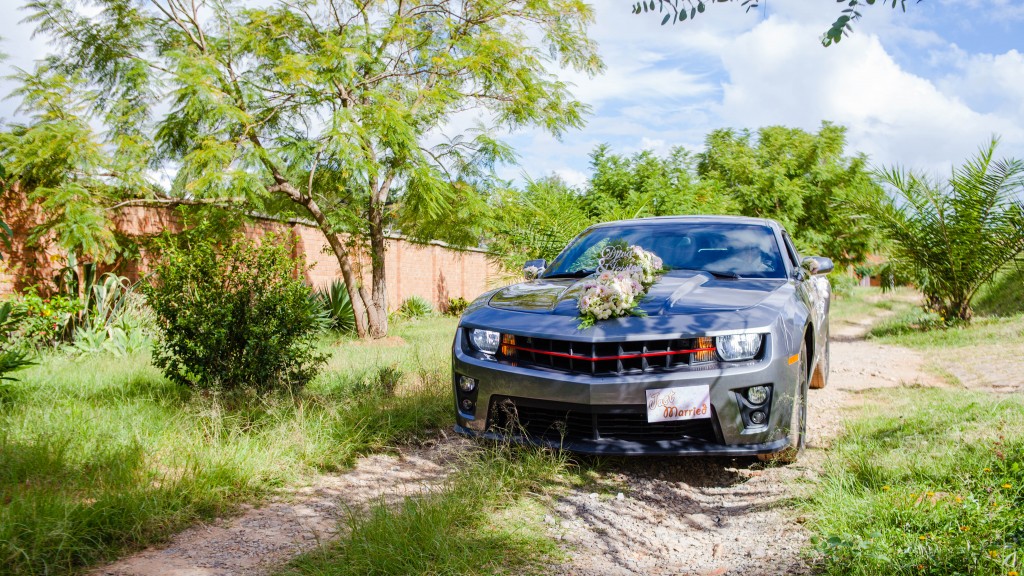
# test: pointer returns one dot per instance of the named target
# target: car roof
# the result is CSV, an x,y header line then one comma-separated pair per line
x,y
702,219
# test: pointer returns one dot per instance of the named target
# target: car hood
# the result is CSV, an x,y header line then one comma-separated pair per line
x,y
678,292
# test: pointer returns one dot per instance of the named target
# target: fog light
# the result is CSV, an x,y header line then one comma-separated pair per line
x,y
758,417
467,384
467,405
757,395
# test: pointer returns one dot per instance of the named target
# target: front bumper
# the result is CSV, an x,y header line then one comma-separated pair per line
x,y
728,432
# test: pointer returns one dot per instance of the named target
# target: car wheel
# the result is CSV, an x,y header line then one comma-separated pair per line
x,y
798,418
820,378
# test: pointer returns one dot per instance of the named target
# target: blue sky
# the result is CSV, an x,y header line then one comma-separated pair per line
x,y
923,88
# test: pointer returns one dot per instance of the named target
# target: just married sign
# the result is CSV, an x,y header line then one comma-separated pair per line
x,y
680,403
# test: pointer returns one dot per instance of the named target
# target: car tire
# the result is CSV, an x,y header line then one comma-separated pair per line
x,y
798,418
820,378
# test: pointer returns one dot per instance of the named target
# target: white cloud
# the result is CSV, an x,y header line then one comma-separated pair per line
x,y
892,115
986,81
571,177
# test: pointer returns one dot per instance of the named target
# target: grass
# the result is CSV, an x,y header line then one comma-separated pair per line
x,y
863,302
1004,295
911,329
482,522
103,455
925,481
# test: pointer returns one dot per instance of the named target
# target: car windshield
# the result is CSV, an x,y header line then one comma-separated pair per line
x,y
723,249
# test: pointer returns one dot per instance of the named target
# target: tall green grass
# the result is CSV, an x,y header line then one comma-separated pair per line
x,y
481,522
1004,294
925,482
102,455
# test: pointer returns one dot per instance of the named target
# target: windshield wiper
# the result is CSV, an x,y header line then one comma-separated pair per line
x,y
574,274
715,273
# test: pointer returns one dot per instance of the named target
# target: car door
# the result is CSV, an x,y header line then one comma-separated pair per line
x,y
809,289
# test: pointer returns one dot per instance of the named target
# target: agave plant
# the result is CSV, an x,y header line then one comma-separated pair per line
x,y
951,238
338,306
415,307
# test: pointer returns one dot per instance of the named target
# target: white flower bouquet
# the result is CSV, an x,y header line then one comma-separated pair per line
x,y
625,273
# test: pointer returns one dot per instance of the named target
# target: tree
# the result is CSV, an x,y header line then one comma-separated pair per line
x,y
329,108
61,164
951,238
679,10
800,179
645,185
535,222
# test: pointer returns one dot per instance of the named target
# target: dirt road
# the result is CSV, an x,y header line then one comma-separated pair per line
x,y
722,515
642,516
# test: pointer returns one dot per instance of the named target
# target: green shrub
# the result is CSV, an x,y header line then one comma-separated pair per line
x,y
415,307
338,306
842,283
44,322
236,318
456,306
11,359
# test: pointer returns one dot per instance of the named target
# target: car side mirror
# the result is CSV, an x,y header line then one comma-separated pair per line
x,y
534,268
817,265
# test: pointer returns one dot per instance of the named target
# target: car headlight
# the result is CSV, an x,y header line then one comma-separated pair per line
x,y
738,346
486,341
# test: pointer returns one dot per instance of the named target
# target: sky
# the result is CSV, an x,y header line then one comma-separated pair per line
x,y
923,89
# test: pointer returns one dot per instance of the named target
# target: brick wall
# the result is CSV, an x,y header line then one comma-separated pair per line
x,y
433,271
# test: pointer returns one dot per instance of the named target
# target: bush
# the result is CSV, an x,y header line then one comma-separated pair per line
x,y
456,306
415,307
842,283
44,322
235,319
11,359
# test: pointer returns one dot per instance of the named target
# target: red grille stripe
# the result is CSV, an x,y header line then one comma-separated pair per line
x,y
622,357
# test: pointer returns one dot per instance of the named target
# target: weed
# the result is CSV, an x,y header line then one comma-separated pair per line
x,y
930,482
382,384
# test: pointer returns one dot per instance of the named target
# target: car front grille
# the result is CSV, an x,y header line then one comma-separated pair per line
x,y
607,358
558,421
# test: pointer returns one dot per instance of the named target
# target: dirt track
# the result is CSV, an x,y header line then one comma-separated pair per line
x,y
723,515
643,516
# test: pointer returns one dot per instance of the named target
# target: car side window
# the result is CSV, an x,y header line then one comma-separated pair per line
x,y
791,253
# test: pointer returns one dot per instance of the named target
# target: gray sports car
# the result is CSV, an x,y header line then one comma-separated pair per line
x,y
716,360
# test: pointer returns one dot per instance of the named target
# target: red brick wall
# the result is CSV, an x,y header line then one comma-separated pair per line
x,y
433,271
